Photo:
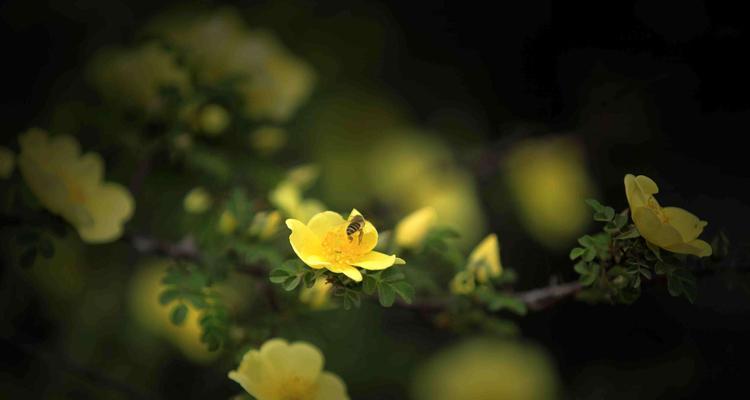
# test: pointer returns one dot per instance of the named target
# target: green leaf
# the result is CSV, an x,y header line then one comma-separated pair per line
x,y
589,254
292,282
595,204
630,233
681,282
605,215
589,272
392,275
179,312
404,290
386,295
621,219
169,295
576,252
196,299
369,285
278,275
500,302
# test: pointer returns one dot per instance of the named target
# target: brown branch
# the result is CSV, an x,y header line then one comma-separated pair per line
x,y
535,299
539,299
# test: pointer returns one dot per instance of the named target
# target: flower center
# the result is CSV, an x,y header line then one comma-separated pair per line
x,y
338,248
654,205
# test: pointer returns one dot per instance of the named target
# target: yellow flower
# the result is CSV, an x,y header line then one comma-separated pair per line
x,y
411,231
287,196
219,46
317,296
285,371
268,139
323,243
484,369
548,181
7,162
214,119
197,201
265,224
484,260
134,78
71,185
670,228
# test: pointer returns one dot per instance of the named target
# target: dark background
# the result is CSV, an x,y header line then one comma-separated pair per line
x,y
659,88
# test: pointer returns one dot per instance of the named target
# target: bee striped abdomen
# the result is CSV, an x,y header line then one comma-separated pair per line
x,y
357,224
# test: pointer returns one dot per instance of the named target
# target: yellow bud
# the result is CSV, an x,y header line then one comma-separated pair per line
x,y
463,283
268,139
265,224
227,223
197,201
214,119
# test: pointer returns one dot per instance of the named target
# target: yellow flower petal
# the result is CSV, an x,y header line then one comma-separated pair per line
x,y
299,360
305,243
696,247
411,231
110,206
253,375
484,260
653,230
639,189
375,261
688,225
347,270
399,261
323,222
331,387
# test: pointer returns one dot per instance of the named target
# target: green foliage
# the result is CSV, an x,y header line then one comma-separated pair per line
x,y
613,264
292,273
388,284
186,284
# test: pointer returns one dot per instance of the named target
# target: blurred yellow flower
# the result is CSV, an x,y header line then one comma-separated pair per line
x,y
7,162
71,185
548,180
197,201
484,260
285,371
287,196
670,228
317,296
227,223
323,243
268,139
411,231
219,46
214,119
484,369
265,224
135,78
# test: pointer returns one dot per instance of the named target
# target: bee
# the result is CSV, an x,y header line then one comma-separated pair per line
x,y
357,224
